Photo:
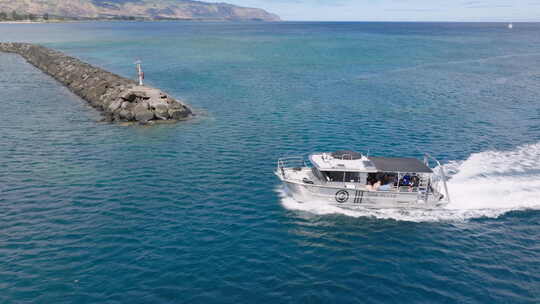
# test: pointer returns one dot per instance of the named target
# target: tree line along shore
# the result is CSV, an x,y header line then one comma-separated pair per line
x,y
18,17
15,16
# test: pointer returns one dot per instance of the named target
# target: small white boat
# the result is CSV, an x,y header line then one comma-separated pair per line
x,y
510,26
349,179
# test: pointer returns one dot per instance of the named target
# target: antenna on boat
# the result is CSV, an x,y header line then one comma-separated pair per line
x,y
140,73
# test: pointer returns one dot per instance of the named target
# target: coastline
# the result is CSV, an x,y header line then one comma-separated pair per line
x,y
40,22
50,21
21,22
118,98
142,20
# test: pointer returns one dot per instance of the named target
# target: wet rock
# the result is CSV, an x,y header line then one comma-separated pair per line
x,y
126,115
142,113
178,114
161,112
144,116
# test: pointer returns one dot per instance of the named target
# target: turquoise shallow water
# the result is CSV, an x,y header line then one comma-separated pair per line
x,y
191,212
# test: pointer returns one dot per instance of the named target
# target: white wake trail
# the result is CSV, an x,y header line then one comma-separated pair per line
x,y
487,184
497,180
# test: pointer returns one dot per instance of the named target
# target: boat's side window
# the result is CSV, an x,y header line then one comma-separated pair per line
x,y
355,177
325,176
334,176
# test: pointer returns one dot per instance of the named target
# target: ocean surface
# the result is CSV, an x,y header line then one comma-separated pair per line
x,y
92,212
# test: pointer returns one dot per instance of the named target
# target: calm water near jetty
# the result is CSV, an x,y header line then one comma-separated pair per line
x,y
191,212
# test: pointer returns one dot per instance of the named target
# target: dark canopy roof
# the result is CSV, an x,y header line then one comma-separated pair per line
x,y
348,155
387,164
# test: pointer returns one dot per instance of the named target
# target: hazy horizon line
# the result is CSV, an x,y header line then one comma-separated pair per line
x,y
498,19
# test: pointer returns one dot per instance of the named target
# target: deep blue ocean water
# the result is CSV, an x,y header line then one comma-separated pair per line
x,y
192,213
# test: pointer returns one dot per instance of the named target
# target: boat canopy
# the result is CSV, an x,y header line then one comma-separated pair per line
x,y
388,164
349,161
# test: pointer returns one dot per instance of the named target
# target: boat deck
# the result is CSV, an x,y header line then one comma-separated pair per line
x,y
301,175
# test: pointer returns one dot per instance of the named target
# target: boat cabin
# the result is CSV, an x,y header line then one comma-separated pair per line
x,y
373,173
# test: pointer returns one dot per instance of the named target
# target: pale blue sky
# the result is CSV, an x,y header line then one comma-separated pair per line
x,y
400,10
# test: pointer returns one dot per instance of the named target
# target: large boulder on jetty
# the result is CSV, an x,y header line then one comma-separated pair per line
x,y
144,116
119,98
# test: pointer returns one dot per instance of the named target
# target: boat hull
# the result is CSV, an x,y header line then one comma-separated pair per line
x,y
356,198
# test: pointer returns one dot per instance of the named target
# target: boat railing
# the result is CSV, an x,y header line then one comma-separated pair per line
x,y
290,162
442,174
344,157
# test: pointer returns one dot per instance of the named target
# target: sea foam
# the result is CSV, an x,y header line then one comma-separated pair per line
x,y
486,184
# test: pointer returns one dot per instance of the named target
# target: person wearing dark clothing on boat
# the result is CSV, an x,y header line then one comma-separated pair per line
x,y
405,181
411,182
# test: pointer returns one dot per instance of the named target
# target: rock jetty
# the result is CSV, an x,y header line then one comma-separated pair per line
x,y
119,98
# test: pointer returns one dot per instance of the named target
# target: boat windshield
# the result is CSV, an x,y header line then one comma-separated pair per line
x,y
344,177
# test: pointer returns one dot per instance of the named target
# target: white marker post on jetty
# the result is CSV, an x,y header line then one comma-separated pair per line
x,y
140,73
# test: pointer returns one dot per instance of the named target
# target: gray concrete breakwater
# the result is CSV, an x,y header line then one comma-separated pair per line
x,y
119,98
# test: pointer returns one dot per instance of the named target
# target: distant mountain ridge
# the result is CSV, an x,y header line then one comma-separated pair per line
x,y
144,9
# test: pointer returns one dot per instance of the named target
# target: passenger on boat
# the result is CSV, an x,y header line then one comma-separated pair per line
x,y
405,181
370,182
415,181
385,187
410,182
388,184
373,184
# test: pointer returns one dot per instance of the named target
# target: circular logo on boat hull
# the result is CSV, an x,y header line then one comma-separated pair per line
x,y
342,196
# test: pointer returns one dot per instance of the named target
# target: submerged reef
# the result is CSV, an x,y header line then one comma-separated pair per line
x,y
120,99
